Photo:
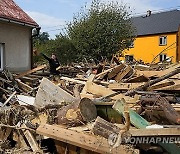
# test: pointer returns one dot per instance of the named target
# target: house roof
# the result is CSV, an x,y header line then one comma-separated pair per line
x,y
163,22
11,11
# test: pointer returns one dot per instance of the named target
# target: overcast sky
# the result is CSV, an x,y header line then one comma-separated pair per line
x,y
51,15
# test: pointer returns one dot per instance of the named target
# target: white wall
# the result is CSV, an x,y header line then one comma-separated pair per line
x,y
17,39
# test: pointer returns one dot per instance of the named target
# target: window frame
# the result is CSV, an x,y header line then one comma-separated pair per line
x,y
163,58
165,40
132,44
128,58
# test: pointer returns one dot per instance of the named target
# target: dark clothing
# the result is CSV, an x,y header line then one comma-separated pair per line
x,y
53,64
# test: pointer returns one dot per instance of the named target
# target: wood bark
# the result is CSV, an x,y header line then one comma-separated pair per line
x,y
77,113
104,128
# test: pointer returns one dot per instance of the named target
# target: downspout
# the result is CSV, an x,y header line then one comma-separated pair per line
x,y
34,35
178,45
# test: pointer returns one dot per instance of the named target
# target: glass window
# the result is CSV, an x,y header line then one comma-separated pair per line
x,y
129,58
163,40
162,57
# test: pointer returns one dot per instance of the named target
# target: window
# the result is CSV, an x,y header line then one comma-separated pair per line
x,y
1,56
162,57
163,40
131,44
129,58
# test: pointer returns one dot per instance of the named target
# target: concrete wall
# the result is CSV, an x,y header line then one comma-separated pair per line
x,y
17,41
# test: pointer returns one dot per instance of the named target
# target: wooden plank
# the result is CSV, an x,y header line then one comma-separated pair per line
x,y
49,93
123,73
105,72
86,141
26,88
160,85
10,97
31,71
172,87
99,90
155,132
90,79
158,73
73,80
139,78
124,86
115,71
32,141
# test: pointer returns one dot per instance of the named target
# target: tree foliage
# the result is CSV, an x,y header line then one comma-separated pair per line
x,y
101,30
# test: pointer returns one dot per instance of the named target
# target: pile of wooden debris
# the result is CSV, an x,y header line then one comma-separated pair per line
x,y
119,109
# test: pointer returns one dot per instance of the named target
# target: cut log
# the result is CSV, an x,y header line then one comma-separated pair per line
x,y
104,128
77,113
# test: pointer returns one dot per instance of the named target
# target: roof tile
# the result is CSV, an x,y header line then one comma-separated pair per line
x,y
10,10
158,23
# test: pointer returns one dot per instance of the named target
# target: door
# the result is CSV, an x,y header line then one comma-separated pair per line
x,y
1,56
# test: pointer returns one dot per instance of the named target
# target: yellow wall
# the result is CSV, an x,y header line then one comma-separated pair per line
x,y
147,47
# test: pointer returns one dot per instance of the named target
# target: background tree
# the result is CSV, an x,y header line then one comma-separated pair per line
x,y
101,30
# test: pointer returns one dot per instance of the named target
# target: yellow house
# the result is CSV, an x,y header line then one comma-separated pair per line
x,y
157,38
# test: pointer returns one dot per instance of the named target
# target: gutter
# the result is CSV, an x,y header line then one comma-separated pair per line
x,y
18,22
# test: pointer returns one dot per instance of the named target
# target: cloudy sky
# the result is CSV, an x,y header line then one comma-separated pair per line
x,y
51,15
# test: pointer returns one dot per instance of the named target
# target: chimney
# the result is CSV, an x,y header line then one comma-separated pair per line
x,y
148,13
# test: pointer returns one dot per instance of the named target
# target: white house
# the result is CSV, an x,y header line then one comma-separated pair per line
x,y
15,37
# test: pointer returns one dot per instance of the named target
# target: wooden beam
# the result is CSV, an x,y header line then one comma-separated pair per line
x,y
115,71
83,140
123,73
99,90
160,85
10,97
26,88
73,80
31,71
124,86
155,132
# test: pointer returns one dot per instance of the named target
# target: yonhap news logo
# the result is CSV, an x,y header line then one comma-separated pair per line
x,y
117,139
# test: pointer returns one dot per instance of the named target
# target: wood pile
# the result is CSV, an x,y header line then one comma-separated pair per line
x,y
113,109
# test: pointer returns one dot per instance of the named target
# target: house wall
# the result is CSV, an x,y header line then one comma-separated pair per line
x,y
147,47
16,38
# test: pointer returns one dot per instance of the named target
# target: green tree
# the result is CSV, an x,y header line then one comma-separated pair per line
x,y
101,30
